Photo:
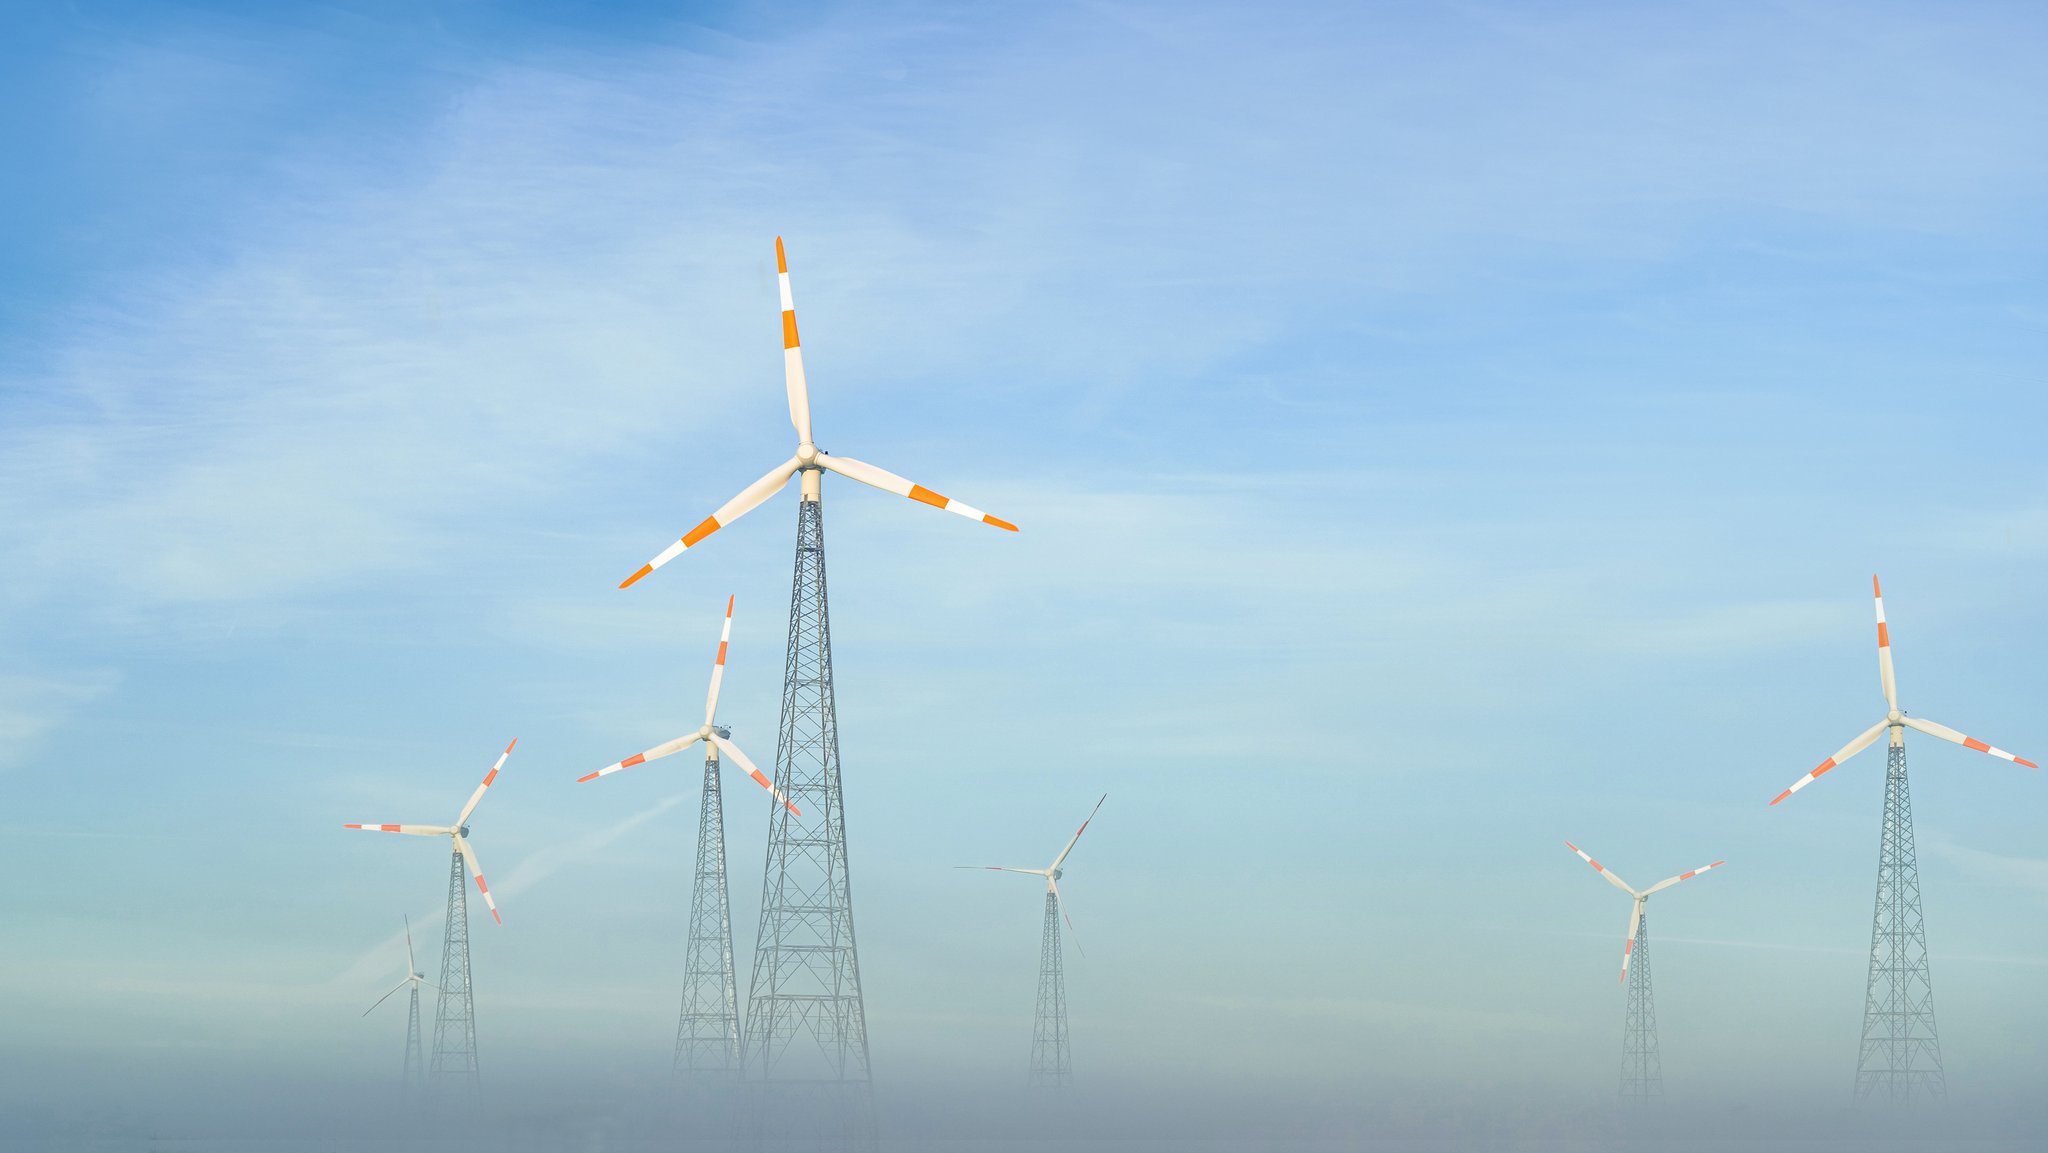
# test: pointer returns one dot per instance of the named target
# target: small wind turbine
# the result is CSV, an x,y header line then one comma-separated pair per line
x,y
1641,1071
454,1054
809,458
711,733
1051,1064
415,1069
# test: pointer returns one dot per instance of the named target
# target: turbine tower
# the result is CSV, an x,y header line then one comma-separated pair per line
x,y
1051,1064
415,1068
1642,1070
1900,1057
806,1020
708,1035
454,1059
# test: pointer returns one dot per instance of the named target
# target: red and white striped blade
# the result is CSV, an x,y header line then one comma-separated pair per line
x,y
476,870
1635,918
408,830
760,778
792,353
887,481
480,789
1617,882
1861,743
1670,881
1949,734
654,754
748,499
1060,899
718,666
1077,835
1884,650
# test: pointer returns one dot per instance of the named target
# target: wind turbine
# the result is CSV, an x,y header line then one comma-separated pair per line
x,y
806,1019
414,1067
809,459
1900,1053
707,1037
1051,1064
1642,1074
454,1013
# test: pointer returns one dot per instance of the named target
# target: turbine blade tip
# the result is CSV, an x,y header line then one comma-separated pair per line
x,y
508,748
631,580
2026,762
587,777
1000,523
1781,796
496,917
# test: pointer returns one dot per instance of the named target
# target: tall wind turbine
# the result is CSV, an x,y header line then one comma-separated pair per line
x,y
1642,1071
454,1060
708,1035
415,1069
1051,1064
806,1020
1900,1056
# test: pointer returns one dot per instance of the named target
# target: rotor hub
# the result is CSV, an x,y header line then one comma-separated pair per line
x,y
807,453
1894,718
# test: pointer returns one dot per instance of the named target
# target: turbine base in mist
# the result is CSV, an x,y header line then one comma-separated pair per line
x,y
1900,1058
806,1039
1642,1069
1052,1064
708,1032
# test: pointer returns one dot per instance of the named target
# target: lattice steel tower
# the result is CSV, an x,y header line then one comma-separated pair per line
x,y
1901,1054
1051,1064
806,1022
453,1071
1642,1071
708,1036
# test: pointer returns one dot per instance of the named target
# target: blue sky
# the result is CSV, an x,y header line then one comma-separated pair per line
x,y
1436,432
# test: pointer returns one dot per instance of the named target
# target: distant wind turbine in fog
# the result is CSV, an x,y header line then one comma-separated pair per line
x,y
454,1013
1642,1073
415,1069
1901,1053
1051,1064
708,1034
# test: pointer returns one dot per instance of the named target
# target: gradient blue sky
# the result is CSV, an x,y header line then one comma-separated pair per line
x,y
1437,431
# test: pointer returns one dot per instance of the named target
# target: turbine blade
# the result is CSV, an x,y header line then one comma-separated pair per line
x,y
654,754
1059,899
888,481
488,778
411,966
476,870
1885,675
1635,919
408,830
792,353
1949,734
1003,869
1077,834
1670,881
760,778
1861,743
718,666
749,497
387,996
1617,882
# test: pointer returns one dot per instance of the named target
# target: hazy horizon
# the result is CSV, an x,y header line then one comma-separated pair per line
x,y
1436,433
